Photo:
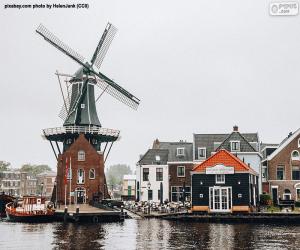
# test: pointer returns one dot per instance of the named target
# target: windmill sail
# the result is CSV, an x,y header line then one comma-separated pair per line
x,y
103,45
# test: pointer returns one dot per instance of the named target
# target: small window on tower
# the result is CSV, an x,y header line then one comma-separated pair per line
x,y
69,141
82,105
81,155
94,141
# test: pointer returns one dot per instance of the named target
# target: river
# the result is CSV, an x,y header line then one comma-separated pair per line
x,y
148,234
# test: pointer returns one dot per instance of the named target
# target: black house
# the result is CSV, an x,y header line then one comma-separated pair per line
x,y
224,183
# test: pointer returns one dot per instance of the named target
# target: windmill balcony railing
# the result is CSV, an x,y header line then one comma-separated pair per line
x,y
81,129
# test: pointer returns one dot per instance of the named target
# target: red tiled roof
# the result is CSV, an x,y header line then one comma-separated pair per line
x,y
225,158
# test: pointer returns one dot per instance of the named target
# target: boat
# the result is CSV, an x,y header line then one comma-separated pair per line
x,y
30,209
4,199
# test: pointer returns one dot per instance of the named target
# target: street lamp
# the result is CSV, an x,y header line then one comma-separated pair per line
x,y
148,186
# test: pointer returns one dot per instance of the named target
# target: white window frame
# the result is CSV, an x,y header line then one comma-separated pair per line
x,y
201,157
83,179
90,174
183,171
222,181
82,105
81,155
297,158
235,150
179,154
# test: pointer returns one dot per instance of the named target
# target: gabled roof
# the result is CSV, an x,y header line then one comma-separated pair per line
x,y
245,146
212,141
225,158
286,141
150,157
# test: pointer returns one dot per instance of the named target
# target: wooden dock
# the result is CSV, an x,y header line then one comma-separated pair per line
x,y
87,213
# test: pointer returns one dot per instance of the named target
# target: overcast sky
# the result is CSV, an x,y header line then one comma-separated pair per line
x,y
197,66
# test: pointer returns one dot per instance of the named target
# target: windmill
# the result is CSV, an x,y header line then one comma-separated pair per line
x,y
79,108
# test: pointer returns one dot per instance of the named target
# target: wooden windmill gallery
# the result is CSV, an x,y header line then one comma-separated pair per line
x,y
85,143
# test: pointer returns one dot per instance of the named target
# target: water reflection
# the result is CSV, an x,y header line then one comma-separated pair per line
x,y
148,234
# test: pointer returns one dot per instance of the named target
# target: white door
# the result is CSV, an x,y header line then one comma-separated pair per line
x,y
220,199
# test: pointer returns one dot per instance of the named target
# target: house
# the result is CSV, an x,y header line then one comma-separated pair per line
x,y
45,183
283,169
80,173
266,150
180,164
129,187
245,146
152,176
224,183
10,183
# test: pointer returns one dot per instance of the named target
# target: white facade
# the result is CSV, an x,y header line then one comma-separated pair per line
x,y
153,181
254,159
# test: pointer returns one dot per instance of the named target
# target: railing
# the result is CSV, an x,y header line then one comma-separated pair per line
x,y
81,129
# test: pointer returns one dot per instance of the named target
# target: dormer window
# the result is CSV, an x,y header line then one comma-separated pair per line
x,y
81,155
235,146
157,158
201,153
180,151
295,155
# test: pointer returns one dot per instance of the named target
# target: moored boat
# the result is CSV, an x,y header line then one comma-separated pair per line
x,y
30,209
4,199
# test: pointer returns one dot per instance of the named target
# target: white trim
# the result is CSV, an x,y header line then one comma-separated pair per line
x,y
205,155
287,142
239,146
184,171
183,151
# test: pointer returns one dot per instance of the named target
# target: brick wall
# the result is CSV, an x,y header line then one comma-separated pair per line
x,y
92,160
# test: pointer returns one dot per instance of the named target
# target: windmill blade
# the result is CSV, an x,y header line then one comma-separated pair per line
x,y
52,39
119,93
103,45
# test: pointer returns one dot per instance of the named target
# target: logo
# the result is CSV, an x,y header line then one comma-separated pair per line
x,y
284,9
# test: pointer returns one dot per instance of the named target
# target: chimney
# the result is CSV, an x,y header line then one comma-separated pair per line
x,y
235,128
155,144
290,134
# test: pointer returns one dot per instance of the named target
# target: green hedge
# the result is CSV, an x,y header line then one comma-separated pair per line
x,y
265,199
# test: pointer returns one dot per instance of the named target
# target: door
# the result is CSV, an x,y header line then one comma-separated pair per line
x,y
220,199
80,195
275,195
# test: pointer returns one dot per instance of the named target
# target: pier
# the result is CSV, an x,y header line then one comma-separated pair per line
x,y
87,213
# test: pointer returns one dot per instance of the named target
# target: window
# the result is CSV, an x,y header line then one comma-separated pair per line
x,y
69,141
181,171
92,173
80,176
287,194
82,105
81,155
220,178
180,151
159,174
94,141
235,146
145,174
295,173
201,153
177,193
264,173
157,158
298,194
150,195
158,194
280,172
69,176
295,155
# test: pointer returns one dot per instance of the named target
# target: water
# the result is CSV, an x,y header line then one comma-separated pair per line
x,y
148,234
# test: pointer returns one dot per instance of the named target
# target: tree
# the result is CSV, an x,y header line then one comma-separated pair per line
x,y
35,169
115,173
4,165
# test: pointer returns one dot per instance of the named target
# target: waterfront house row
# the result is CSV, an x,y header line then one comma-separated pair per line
x,y
164,171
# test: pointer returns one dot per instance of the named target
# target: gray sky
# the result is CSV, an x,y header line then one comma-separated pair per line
x,y
198,67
